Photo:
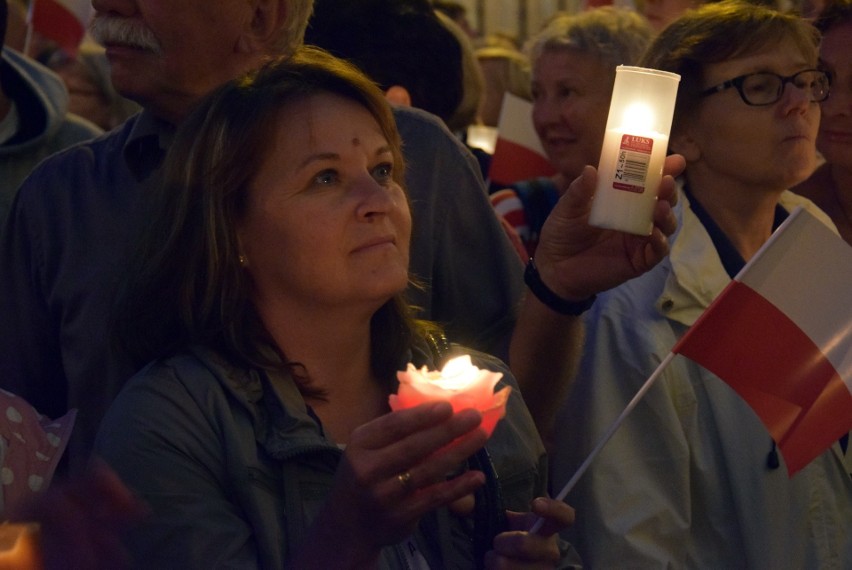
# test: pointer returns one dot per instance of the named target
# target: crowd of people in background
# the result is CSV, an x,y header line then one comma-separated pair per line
x,y
225,226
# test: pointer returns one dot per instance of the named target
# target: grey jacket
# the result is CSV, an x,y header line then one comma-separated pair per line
x,y
234,475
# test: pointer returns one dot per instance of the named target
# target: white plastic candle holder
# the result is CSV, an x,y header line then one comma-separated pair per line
x,y
634,149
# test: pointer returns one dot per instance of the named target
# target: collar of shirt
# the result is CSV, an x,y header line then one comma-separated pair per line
x,y
696,273
732,261
147,144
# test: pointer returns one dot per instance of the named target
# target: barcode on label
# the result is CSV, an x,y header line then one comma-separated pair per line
x,y
631,168
636,167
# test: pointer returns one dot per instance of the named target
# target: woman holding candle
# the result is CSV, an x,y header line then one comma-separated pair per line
x,y
830,187
267,293
573,68
692,478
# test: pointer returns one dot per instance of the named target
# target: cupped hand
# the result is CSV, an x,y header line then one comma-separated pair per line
x,y
517,548
577,260
395,468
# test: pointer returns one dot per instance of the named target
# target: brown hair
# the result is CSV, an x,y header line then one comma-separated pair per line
x,y
185,284
718,32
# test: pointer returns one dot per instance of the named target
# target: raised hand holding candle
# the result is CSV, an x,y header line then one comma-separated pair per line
x,y
634,149
460,383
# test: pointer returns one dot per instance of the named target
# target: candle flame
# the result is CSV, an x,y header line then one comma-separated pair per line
x,y
460,383
638,117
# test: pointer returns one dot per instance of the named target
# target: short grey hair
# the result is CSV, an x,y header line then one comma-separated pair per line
x,y
616,36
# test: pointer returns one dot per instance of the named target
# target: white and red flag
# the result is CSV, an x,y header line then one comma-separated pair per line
x,y
780,335
63,21
518,154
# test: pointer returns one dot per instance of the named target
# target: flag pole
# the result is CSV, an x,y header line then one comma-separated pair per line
x,y
29,37
606,437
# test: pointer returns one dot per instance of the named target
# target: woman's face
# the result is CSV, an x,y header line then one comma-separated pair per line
x,y
771,146
571,93
326,224
835,131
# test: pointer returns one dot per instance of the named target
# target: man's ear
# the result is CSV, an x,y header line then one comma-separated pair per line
x,y
265,22
398,95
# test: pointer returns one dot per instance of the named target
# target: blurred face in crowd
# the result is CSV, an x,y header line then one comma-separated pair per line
x,y
571,92
835,132
166,54
769,146
326,223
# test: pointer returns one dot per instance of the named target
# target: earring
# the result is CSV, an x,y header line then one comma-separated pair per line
x,y
243,261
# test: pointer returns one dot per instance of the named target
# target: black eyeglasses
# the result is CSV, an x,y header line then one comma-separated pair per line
x,y
766,88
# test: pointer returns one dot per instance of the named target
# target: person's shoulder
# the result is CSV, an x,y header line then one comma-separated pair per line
x,y
106,148
74,129
189,380
412,117
422,131
193,367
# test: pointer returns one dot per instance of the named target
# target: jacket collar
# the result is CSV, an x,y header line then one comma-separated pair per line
x,y
695,272
283,423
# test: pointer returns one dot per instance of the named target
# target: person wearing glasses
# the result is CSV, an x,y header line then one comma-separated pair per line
x,y
692,479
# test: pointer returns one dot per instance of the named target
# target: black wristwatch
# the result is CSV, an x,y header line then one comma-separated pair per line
x,y
551,299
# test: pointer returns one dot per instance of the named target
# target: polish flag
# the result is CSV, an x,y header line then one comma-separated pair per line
x,y
780,335
518,154
63,21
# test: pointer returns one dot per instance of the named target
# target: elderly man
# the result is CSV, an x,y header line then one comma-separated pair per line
x,y
73,219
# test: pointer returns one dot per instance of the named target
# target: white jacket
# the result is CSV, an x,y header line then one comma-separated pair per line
x,y
684,483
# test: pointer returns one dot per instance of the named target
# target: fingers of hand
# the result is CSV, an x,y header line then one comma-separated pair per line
x,y
442,493
433,468
557,515
520,546
415,461
674,165
664,217
393,427
582,188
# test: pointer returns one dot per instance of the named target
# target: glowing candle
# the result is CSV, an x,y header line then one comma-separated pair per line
x,y
634,148
480,136
19,546
460,383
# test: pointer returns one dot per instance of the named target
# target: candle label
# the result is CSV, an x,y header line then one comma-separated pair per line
x,y
631,169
